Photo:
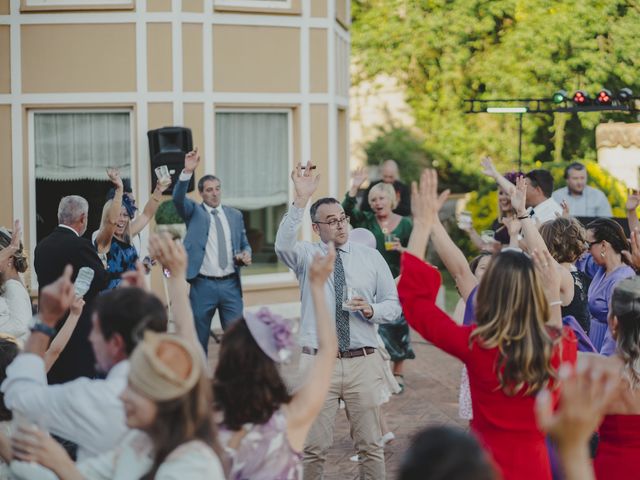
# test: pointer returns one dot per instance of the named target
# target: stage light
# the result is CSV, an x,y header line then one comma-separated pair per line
x,y
560,96
604,97
625,95
581,97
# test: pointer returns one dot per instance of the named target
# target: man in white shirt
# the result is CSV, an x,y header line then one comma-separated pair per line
x,y
582,200
217,246
539,189
84,411
363,272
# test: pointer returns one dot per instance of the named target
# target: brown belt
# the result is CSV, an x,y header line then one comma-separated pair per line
x,y
356,352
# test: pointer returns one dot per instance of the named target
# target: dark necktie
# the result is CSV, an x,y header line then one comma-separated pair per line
x,y
222,242
342,316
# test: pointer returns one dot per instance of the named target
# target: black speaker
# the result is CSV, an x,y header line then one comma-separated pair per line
x,y
168,146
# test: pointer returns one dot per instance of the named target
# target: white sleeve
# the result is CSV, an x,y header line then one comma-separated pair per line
x,y
196,463
10,323
387,307
287,246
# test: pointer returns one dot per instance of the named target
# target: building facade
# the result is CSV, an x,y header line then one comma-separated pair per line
x,y
262,84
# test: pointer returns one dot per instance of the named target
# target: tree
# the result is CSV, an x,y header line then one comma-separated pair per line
x,y
445,51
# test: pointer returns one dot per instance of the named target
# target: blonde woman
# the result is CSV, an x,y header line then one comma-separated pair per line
x,y
512,353
117,228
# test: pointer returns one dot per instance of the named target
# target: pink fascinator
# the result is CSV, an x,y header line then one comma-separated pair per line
x,y
273,334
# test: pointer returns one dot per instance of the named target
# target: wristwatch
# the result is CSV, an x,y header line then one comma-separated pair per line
x,y
38,326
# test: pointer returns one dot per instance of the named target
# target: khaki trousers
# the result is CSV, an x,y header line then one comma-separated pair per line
x,y
357,381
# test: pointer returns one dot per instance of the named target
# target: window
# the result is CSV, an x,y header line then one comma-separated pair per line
x,y
71,151
253,159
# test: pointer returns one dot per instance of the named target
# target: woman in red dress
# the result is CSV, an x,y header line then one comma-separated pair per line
x,y
512,352
619,445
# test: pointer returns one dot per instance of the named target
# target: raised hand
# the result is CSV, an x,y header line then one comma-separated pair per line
x,y
135,278
169,253
425,201
7,252
519,196
304,183
513,225
114,176
77,306
633,257
56,298
321,267
191,160
566,213
488,168
358,177
633,201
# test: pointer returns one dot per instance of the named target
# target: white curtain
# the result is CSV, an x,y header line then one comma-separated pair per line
x,y
252,151
75,146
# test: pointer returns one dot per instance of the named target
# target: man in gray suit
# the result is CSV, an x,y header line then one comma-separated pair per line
x,y
217,246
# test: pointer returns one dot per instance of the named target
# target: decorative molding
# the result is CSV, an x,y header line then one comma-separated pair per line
x,y
618,134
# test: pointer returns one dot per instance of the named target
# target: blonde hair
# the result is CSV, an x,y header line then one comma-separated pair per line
x,y
387,189
512,312
104,219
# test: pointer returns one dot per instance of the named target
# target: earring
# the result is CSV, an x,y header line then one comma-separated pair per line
x,y
602,253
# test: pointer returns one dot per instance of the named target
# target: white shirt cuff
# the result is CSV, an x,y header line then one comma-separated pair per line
x,y
184,176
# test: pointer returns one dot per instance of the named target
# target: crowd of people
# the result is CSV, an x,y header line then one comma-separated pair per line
x,y
98,386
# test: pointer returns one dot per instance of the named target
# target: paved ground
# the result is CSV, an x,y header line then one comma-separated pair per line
x,y
430,398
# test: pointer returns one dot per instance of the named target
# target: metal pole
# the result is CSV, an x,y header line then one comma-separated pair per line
x,y
520,145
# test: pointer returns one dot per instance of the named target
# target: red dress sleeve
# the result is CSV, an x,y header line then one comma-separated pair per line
x,y
417,290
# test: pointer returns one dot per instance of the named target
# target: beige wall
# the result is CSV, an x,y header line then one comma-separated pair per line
x,y
6,181
342,15
192,6
78,58
270,59
343,149
159,5
294,10
192,57
320,146
319,8
159,57
5,59
4,7
318,60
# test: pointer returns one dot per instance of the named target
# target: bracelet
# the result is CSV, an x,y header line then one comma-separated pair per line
x,y
45,329
557,302
524,217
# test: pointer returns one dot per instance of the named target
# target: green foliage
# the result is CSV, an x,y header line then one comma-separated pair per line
x,y
442,52
167,214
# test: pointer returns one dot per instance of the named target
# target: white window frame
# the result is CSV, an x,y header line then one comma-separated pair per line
x,y
267,278
39,5
274,4
32,164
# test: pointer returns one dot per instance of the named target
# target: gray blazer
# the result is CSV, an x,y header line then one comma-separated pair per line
x,y
198,221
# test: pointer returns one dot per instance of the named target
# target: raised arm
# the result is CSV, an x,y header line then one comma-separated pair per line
x,y
633,200
535,241
108,227
308,400
62,338
184,205
305,184
550,279
173,257
489,169
149,210
358,177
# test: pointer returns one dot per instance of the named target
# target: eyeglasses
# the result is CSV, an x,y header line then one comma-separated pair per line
x,y
591,244
335,222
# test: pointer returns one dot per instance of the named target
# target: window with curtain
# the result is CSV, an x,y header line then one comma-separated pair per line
x,y
81,145
71,152
252,162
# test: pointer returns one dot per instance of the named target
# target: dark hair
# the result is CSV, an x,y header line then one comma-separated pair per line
x,y
129,311
473,264
625,306
445,453
182,420
543,179
318,203
206,178
247,387
610,231
19,258
126,188
512,176
565,238
8,352
573,166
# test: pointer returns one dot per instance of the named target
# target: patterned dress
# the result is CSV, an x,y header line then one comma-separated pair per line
x,y
264,452
120,258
